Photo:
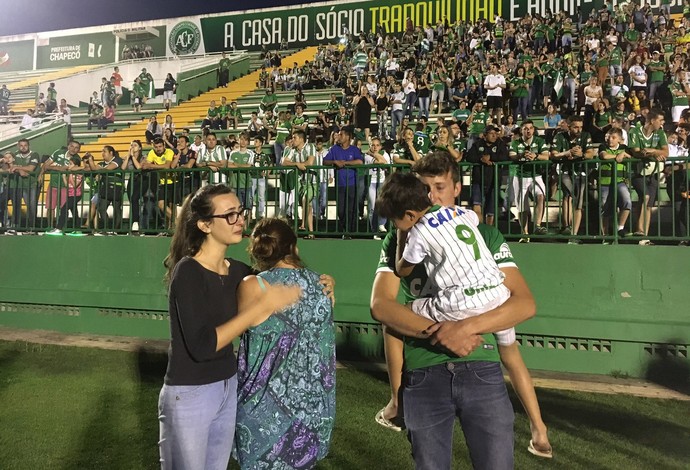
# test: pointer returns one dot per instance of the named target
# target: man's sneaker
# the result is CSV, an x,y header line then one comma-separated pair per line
x,y
99,234
135,226
55,231
11,231
383,229
684,243
574,241
523,240
376,237
347,237
622,233
567,231
540,230
606,242
645,242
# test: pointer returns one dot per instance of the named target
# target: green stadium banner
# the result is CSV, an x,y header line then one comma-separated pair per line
x,y
68,51
328,23
16,56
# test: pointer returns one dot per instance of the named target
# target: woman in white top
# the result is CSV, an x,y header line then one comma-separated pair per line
x,y
593,92
409,85
376,156
638,75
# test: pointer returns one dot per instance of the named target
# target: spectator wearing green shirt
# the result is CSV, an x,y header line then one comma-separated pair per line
x,y
268,101
612,150
223,110
223,71
656,68
242,158
648,143
147,83
570,149
22,184
680,92
302,156
51,98
213,117
234,115
262,159
528,180
139,95
519,86
476,123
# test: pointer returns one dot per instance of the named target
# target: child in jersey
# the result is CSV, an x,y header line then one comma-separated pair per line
x,y
465,276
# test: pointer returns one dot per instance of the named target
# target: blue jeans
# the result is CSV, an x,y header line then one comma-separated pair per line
x,y
474,392
258,191
396,119
374,219
320,203
197,425
30,197
424,107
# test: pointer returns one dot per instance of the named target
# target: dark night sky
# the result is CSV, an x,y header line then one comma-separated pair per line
x,y
32,16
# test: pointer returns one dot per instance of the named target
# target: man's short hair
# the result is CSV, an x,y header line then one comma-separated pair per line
x,y
617,131
301,133
653,114
402,192
23,140
158,141
438,163
575,118
183,137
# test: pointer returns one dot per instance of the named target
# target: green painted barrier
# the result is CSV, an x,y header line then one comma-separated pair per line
x,y
194,82
601,309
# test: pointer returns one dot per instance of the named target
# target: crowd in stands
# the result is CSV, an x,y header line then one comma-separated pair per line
x,y
535,106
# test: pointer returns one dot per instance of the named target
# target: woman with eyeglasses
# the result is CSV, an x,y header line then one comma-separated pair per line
x,y
198,402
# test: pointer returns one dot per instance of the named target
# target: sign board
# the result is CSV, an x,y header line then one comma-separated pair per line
x,y
68,51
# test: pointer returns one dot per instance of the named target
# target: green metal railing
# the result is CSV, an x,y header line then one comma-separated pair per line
x,y
505,194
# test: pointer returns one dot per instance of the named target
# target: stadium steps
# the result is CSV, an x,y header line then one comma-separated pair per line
x,y
31,82
187,113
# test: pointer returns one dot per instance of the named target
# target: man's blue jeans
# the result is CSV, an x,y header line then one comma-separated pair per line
x,y
197,425
474,392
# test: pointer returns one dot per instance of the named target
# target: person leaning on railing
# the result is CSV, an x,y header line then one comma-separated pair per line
x,y
528,179
5,163
110,188
614,150
677,186
648,143
570,150
486,176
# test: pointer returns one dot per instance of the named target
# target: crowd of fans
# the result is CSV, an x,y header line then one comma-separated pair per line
x,y
526,103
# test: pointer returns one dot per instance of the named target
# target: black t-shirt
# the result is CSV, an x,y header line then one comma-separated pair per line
x,y
199,301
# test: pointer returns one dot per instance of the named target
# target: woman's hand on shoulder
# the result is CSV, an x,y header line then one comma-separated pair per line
x,y
328,283
270,299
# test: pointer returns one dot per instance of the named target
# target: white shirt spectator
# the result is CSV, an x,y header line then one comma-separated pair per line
x,y
593,44
392,65
395,97
494,81
638,76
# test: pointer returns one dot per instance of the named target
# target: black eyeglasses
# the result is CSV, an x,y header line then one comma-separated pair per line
x,y
232,216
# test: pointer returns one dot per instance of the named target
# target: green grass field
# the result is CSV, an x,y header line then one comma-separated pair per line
x,y
77,408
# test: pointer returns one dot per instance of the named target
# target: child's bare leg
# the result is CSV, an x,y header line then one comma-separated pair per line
x,y
393,347
522,384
